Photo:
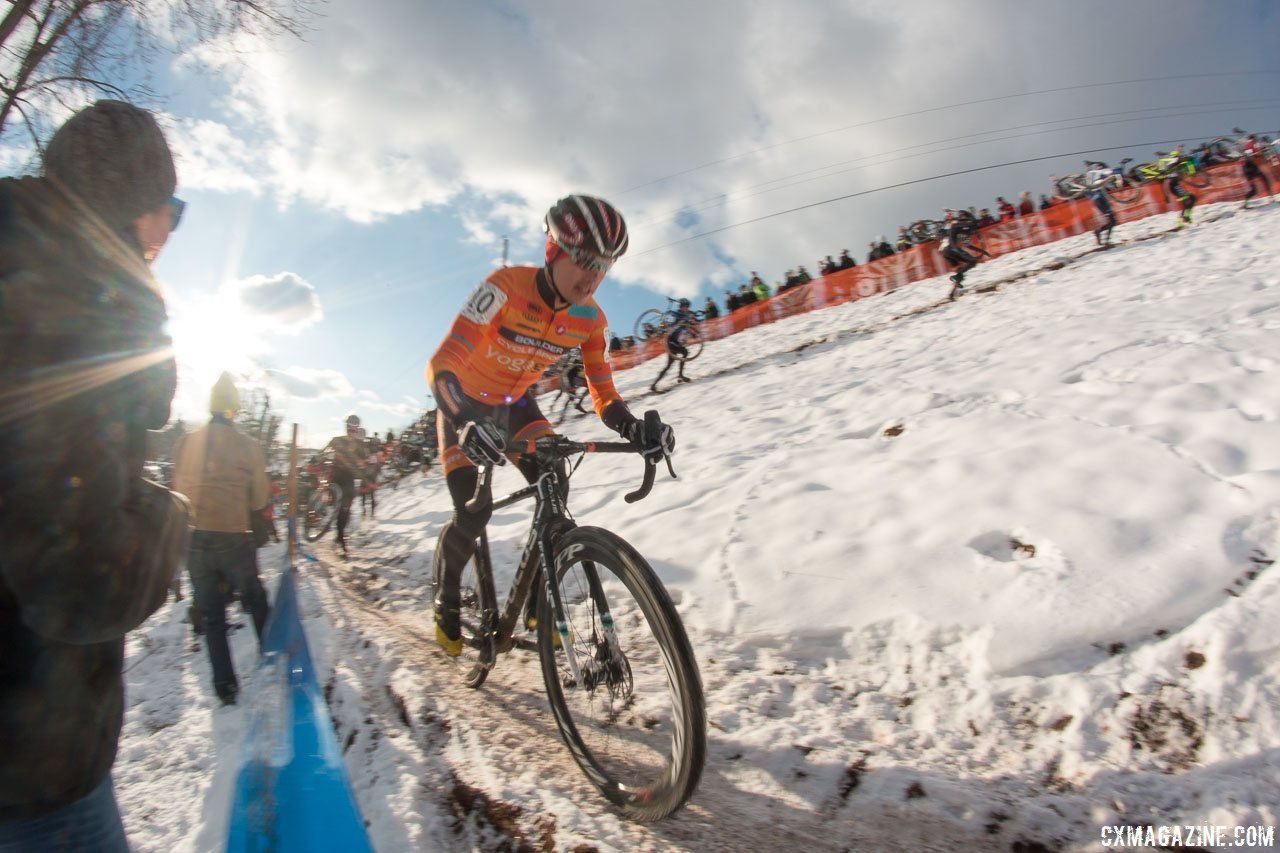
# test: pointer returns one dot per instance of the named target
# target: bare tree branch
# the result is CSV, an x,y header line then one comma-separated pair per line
x,y
19,10
73,48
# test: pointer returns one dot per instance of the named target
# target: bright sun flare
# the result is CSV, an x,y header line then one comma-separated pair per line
x,y
210,335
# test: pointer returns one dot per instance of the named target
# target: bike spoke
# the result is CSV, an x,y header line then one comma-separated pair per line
x,y
633,713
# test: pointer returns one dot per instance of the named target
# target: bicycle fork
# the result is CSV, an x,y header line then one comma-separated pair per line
x,y
599,668
550,567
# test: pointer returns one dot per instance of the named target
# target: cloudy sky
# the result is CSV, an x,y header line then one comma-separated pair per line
x,y
347,191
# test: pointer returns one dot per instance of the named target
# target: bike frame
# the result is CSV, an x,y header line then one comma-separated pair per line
x,y
550,520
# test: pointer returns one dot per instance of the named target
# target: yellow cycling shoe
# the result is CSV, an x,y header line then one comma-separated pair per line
x,y
452,648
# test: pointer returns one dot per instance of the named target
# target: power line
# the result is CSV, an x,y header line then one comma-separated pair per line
x,y
904,184
928,110
716,201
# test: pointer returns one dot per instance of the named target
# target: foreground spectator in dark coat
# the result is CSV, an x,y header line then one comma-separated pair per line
x,y
88,548
709,310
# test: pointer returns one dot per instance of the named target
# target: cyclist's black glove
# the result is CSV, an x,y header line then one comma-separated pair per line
x,y
651,436
483,443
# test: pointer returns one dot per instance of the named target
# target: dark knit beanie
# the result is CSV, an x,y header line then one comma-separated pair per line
x,y
114,157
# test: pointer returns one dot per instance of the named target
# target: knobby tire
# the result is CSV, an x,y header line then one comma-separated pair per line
x,y
637,727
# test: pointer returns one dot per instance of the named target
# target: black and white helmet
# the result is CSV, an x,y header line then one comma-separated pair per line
x,y
588,229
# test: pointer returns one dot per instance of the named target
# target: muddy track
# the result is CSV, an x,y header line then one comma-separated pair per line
x,y
492,769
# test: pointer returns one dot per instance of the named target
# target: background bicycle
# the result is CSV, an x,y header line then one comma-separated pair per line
x,y
318,497
654,323
1170,163
1110,180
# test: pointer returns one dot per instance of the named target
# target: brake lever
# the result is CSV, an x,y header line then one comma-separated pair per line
x,y
646,485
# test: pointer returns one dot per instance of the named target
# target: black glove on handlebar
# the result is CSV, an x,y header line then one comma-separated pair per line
x,y
651,436
483,443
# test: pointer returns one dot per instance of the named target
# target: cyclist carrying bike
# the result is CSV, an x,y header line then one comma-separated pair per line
x,y
1252,166
676,350
1173,163
958,250
1094,178
516,323
349,454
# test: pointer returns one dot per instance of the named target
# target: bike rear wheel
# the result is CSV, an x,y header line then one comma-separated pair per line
x,y
478,614
1125,192
648,325
322,508
635,719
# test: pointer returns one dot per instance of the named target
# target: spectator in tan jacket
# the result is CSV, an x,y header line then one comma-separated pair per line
x,y
222,472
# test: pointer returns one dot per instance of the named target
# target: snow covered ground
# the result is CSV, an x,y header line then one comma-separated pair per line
x,y
986,575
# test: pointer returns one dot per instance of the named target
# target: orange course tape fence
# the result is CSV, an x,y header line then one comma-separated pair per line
x,y
1062,220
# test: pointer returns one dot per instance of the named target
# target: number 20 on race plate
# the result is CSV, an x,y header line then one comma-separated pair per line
x,y
484,302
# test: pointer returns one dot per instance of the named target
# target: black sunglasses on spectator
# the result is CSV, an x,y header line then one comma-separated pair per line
x,y
176,207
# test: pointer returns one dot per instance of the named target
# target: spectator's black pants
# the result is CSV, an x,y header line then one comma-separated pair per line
x,y
219,561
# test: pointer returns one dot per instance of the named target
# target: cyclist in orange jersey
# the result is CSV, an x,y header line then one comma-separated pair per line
x,y
515,324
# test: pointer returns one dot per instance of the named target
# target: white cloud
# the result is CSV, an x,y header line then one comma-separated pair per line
x,y
305,383
283,303
431,103
210,156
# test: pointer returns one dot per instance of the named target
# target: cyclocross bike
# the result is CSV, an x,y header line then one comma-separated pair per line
x,y
654,323
320,499
1170,163
616,662
924,231
1100,176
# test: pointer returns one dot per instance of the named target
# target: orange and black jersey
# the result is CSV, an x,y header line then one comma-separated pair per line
x,y
506,336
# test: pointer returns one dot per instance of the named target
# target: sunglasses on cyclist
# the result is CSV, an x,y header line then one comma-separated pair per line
x,y
176,207
588,260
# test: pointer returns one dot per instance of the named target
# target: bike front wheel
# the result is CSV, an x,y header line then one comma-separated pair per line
x,y
1070,186
629,704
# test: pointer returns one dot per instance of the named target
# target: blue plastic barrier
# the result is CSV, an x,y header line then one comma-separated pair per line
x,y
291,791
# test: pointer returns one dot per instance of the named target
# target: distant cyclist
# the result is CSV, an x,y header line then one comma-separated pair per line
x,y
572,381
958,250
677,334
1252,165
349,455
514,325
1174,164
1094,178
